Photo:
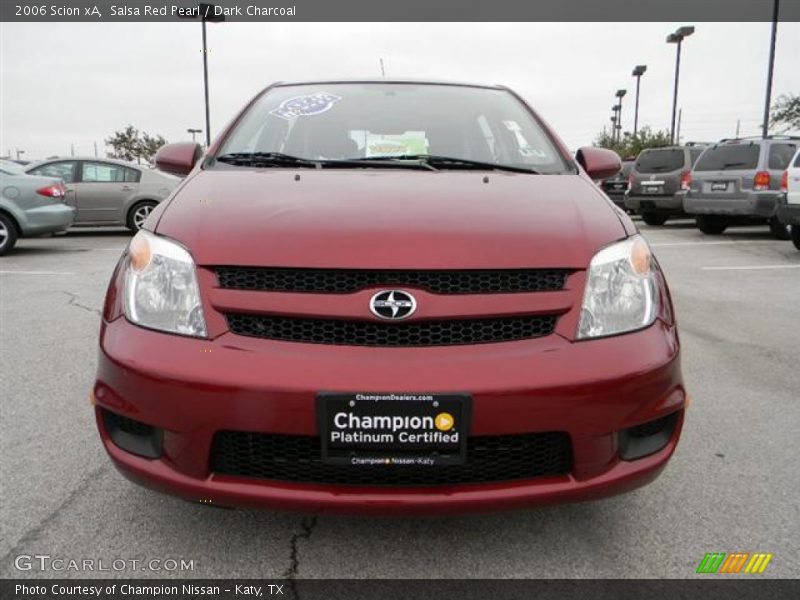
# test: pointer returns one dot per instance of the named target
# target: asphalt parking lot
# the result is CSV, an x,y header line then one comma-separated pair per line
x,y
732,485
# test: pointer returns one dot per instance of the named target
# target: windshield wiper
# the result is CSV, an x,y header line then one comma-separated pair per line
x,y
267,159
447,162
279,159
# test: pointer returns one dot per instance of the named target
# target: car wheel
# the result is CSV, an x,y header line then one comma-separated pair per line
x,y
138,214
654,219
711,224
8,234
779,230
796,236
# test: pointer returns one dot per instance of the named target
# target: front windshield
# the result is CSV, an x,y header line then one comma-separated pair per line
x,y
388,120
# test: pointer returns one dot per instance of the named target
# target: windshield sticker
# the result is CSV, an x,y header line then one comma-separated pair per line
x,y
411,143
525,149
308,105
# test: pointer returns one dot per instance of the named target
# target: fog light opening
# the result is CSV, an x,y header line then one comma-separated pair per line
x,y
133,436
647,438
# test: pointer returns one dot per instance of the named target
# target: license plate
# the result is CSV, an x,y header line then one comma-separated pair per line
x,y
653,189
619,186
719,186
386,429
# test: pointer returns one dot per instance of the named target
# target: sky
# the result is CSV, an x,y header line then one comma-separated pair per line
x,y
71,85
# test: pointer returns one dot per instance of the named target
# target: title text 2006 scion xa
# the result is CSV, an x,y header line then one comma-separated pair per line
x,y
387,297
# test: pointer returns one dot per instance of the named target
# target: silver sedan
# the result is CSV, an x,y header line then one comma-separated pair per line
x,y
108,192
30,205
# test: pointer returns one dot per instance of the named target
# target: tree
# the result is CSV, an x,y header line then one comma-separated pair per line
x,y
125,143
150,145
631,145
131,144
786,113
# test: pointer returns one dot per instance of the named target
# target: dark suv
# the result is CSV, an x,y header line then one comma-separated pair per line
x,y
616,186
659,180
740,180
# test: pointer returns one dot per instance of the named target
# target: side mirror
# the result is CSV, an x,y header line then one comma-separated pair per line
x,y
178,158
599,163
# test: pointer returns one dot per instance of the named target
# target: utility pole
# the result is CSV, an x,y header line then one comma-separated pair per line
x,y
19,153
738,123
383,71
678,133
72,149
95,149
765,124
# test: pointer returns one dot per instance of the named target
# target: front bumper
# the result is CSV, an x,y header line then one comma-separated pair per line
x,y
788,214
753,204
672,204
193,388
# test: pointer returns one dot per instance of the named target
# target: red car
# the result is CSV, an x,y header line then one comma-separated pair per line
x,y
388,297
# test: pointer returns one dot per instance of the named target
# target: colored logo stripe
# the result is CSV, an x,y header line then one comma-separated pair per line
x,y
711,562
758,563
720,562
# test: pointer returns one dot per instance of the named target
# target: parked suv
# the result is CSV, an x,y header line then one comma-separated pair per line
x,y
658,181
789,204
383,297
615,187
738,180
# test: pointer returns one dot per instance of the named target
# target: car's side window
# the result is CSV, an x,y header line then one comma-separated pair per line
x,y
65,170
103,173
780,155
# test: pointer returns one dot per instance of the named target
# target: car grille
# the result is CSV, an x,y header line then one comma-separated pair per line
x,y
297,458
344,281
385,334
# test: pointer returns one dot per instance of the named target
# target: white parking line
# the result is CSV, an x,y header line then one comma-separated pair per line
x,y
36,273
751,268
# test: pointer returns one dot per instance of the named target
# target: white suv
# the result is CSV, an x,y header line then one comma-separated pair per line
x,y
789,205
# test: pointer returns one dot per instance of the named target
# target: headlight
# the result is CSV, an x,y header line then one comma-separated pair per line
x,y
161,290
621,290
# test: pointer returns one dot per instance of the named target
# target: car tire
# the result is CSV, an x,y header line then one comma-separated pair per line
x,y
8,234
796,236
711,224
779,230
654,219
138,214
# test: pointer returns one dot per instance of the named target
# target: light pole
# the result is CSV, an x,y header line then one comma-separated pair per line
x,y
193,132
620,94
615,109
638,71
614,127
677,38
765,125
206,12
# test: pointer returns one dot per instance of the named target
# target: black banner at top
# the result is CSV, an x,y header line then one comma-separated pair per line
x,y
399,10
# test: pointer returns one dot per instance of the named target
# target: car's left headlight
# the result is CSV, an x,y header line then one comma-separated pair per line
x,y
161,290
621,290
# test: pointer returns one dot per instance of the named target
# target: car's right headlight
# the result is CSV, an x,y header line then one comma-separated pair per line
x,y
161,290
621,290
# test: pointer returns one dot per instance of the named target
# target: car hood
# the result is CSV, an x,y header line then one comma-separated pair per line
x,y
381,218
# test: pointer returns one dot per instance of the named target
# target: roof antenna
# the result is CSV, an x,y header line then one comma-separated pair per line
x,y
383,72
